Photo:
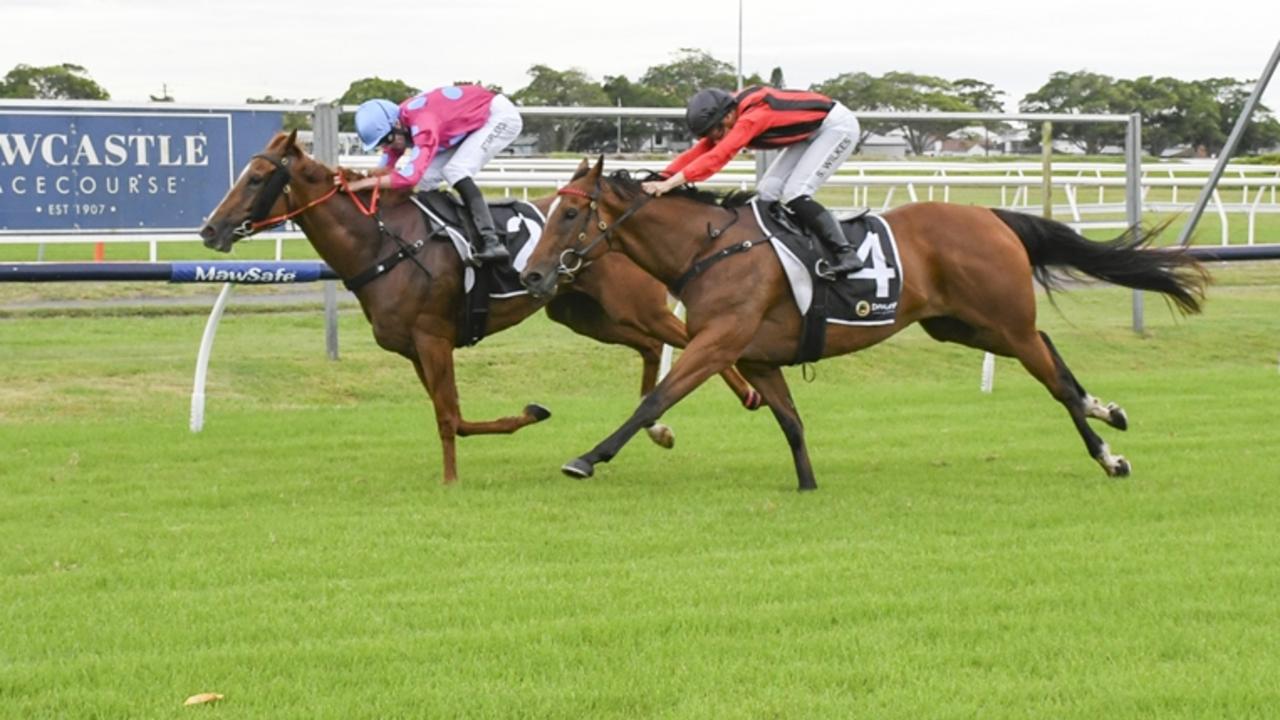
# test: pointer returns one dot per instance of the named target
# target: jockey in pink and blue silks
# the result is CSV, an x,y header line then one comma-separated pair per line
x,y
448,134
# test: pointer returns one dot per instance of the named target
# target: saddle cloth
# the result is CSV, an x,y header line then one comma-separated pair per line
x,y
866,297
519,223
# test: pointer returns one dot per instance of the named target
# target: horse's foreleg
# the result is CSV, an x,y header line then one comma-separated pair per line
x,y
435,369
708,353
434,365
671,331
584,315
768,379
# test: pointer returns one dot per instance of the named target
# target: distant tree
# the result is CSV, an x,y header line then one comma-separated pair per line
x,y
291,120
621,92
858,91
54,82
1174,112
979,95
1263,131
372,88
562,88
1080,92
164,95
776,79
908,92
691,71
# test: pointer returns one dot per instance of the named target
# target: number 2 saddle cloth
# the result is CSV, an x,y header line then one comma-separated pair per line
x,y
865,297
519,225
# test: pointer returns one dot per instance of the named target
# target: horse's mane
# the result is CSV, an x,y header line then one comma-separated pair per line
x,y
621,182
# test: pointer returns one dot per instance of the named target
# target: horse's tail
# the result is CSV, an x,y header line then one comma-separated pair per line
x,y
1127,260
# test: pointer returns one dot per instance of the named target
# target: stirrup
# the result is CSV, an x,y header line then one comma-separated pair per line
x,y
822,269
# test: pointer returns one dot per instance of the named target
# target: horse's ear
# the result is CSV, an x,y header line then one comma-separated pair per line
x,y
583,168
599,168
291,143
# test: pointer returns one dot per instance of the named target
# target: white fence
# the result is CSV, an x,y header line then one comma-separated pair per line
x,y
1090,190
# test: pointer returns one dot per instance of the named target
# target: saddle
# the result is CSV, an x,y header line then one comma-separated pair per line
x,y
865,297
519,225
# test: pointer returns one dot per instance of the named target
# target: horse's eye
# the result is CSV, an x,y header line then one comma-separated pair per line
x,y
255,180
570,213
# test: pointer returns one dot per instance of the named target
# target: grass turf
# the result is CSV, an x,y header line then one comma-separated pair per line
x,y
962,557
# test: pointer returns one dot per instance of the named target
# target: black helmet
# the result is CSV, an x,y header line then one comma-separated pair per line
x,y
707,108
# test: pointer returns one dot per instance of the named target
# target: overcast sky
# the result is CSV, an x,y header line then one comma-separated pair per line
x,y
222,51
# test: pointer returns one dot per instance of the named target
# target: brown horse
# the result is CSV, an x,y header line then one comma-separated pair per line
x,y
966,274
414,306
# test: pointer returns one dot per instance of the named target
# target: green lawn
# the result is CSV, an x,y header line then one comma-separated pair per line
x,y
963,556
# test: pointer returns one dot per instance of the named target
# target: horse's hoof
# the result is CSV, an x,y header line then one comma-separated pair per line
x,y
537,412
579,468
753,400
1122,468
662,435
1118,420
808,488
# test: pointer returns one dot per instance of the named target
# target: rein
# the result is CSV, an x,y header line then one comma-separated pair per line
x,y
278,184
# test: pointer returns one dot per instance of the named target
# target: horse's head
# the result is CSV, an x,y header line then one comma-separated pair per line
x,y
577,232
261,192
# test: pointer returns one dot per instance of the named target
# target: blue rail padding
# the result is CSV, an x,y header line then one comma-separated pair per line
x,y
183,272
1234,252
248,272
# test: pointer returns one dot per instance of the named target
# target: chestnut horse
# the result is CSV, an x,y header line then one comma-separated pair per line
x,y
966,275
413,308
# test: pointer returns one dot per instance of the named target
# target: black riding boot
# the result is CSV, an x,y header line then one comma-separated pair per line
x,y
822,223
491,247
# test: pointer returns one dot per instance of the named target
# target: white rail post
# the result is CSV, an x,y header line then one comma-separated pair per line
x,y
988,372
664,365
202,359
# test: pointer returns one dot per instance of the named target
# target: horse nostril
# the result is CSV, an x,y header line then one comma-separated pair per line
x,y
207,232
532,278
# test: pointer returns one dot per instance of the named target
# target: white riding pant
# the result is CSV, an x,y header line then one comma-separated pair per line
x,y
480,146
803,167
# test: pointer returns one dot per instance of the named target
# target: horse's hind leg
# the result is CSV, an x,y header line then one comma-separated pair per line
x,y
1036,353
435,369
1110,413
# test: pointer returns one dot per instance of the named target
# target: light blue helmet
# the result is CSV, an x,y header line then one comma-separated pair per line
x,y
374,119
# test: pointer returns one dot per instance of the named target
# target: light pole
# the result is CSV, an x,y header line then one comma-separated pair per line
x,y
739,45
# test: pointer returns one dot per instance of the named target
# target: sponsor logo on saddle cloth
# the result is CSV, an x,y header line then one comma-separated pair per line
x,y
866,297
519,223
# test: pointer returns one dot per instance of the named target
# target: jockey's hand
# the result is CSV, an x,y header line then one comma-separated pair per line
x,y
662,187
364,183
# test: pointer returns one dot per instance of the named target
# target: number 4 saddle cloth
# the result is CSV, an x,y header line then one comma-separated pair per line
x,y
865,297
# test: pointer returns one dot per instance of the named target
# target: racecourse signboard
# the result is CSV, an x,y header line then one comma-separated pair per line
x,y
107,171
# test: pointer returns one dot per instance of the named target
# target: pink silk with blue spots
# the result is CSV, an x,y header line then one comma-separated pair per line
x,y
437,120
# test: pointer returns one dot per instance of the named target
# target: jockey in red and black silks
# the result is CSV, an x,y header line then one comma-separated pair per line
x,y
816,134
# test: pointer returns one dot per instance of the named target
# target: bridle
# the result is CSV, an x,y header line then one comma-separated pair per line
x,y
277,184
574,260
